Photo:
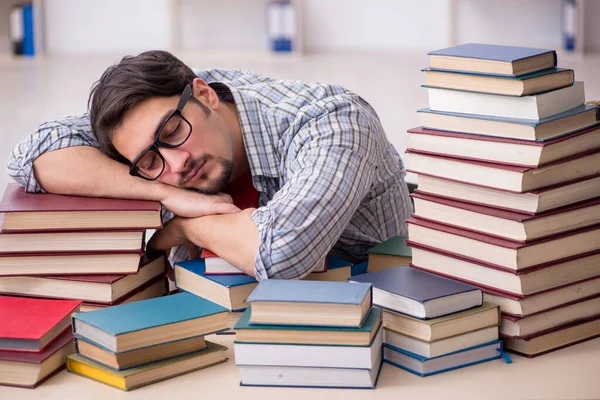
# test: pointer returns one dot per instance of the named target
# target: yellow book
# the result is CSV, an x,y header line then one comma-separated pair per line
x,y
150,373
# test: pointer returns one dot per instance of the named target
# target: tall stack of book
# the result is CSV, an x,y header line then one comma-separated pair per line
x,y
35,338
433,324
136,344
508,162
70,247
309,334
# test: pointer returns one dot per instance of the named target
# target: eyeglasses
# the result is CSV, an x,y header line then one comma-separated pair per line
x,y
172,133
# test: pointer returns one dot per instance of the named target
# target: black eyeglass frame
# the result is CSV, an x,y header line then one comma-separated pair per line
x,y
186,95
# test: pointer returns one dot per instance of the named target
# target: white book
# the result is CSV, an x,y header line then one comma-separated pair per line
x,y
442,346
267,375
535,106
294,355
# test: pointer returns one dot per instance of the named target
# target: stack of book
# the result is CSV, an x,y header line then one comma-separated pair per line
x,y
35,339
433,324
69,247
220,284
309,334
508,162
136,344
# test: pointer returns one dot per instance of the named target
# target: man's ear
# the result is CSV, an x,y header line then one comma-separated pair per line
x,y
205,93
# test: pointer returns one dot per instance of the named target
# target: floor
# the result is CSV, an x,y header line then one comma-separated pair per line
x,y
33,91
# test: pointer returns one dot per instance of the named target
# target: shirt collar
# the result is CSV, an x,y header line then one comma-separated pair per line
x,y
257,137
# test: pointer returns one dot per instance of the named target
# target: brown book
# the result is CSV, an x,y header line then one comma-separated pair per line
x,y
34,212
496,149
155,288
516,283
512,225
521,306
566,336
503,176
107,289
30,369
535,325
505,253
532,201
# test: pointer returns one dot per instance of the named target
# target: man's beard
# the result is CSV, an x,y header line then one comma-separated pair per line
x,y
214,185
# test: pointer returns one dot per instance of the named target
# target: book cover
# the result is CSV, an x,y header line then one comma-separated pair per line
x,y
394,246
149,313
293,291
491,52
372,321
523,77
27,319
414,284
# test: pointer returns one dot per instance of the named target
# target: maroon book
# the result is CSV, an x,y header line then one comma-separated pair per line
x,y
17,201
123,299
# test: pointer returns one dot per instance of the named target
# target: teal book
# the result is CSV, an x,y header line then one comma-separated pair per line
x,y
229,291
293,302
150,322
492,59
317,335
394,246
423,366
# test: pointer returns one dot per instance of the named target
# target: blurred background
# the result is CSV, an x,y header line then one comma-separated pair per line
x,y
52,51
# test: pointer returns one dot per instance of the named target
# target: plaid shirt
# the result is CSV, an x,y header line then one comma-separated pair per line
x,y
328,178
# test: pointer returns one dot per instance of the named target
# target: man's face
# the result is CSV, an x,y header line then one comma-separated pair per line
x,y
203,163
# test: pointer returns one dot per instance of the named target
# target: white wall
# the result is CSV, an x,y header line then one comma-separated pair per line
x,y
106,26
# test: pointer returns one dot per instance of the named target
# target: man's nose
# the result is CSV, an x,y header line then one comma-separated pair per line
x,y
176,158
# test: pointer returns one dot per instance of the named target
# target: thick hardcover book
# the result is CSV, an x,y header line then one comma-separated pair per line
x,y
134,378
394,246
37,358
17,203
505,59
32,324
418,293
424,366
292,291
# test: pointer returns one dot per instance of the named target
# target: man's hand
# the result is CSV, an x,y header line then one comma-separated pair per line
x,y
173,234
187,203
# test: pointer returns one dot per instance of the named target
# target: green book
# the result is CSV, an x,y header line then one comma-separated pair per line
x,y
150,373
322,335
394,246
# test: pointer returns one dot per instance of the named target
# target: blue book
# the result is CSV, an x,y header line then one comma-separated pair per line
x,y
424,366
317,303
150,322
230,290
522,85
541,130
418,293
501,60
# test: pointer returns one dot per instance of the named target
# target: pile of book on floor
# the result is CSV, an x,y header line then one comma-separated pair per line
x,y
136,344
433,324
508,163
35,338
213,278
309,334
76,248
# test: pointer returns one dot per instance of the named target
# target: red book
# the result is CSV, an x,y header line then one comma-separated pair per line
x,y
512,225
105,289
502,176
503,150
30,325
42,211
505,253
31,369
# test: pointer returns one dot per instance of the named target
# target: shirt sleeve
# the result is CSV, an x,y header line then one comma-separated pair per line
x,y
50,136
328,178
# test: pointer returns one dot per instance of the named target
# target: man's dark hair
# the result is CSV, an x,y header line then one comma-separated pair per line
x,y
124,85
